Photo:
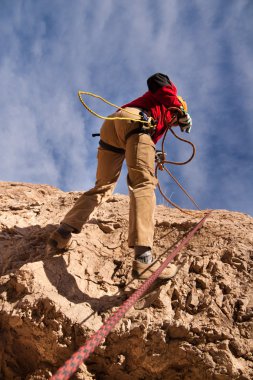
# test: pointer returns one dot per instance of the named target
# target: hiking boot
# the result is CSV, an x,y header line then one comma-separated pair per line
x,y
59,242
143,271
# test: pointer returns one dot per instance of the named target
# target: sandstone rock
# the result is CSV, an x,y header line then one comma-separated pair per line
x,y
199,327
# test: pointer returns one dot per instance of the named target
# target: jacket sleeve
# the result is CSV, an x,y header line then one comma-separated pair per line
x,y
163,90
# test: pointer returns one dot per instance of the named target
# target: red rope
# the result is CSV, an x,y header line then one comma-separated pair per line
x,y
71,365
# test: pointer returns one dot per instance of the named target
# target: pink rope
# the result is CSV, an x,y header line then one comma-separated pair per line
x,y
72,364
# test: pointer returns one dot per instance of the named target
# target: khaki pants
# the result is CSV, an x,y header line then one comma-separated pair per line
x,y
140,159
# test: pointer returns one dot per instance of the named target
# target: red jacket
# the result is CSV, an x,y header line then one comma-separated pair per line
x,y
162,94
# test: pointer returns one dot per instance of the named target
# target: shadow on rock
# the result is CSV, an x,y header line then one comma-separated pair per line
x,y
20,246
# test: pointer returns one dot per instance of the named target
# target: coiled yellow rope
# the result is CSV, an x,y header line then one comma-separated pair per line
x,y
80,93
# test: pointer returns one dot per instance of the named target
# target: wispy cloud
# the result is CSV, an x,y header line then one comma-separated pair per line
x,y
50,50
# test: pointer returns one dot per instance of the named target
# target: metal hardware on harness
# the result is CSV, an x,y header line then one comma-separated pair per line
x,y
146,125
160,158
150,126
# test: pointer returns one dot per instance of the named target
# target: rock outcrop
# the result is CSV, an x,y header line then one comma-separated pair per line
x,y
198,327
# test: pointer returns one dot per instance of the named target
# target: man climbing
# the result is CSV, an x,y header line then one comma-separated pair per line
x,y
133,140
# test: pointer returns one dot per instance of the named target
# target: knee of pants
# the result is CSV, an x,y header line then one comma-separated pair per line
x,y
141,178
140,159
101,188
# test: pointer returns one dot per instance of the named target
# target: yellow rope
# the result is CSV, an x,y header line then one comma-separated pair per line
x,y
80,93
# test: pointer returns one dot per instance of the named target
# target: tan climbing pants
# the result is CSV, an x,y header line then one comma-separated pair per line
x,y
140,160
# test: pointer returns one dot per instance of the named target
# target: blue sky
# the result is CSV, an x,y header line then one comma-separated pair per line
x,y
52,49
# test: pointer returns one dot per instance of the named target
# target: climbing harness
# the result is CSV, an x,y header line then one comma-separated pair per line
x,y
72,364
111,147
149,128
147,125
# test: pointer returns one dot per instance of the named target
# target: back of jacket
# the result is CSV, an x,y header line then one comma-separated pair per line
x,y
162,94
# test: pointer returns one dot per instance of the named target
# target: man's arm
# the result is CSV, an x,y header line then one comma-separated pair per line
x,y
166,93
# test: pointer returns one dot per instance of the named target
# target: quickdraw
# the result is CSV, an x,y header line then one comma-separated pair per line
x,y
160,157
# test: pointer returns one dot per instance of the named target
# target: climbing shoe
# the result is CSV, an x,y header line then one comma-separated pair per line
x,y
143,254
142,271
59,240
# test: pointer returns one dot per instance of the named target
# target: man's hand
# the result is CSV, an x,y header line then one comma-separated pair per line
x,y
185,122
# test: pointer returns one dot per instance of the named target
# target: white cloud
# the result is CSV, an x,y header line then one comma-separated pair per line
x,y
50,50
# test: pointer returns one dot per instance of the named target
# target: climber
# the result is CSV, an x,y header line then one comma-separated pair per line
x,y
134,141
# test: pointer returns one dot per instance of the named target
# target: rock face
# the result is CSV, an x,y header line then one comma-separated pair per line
x,y
198,327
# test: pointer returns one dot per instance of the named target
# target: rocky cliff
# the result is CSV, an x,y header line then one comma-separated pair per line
x,y
199,326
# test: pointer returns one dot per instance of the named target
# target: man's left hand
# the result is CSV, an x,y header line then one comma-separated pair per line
x,y
185,122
